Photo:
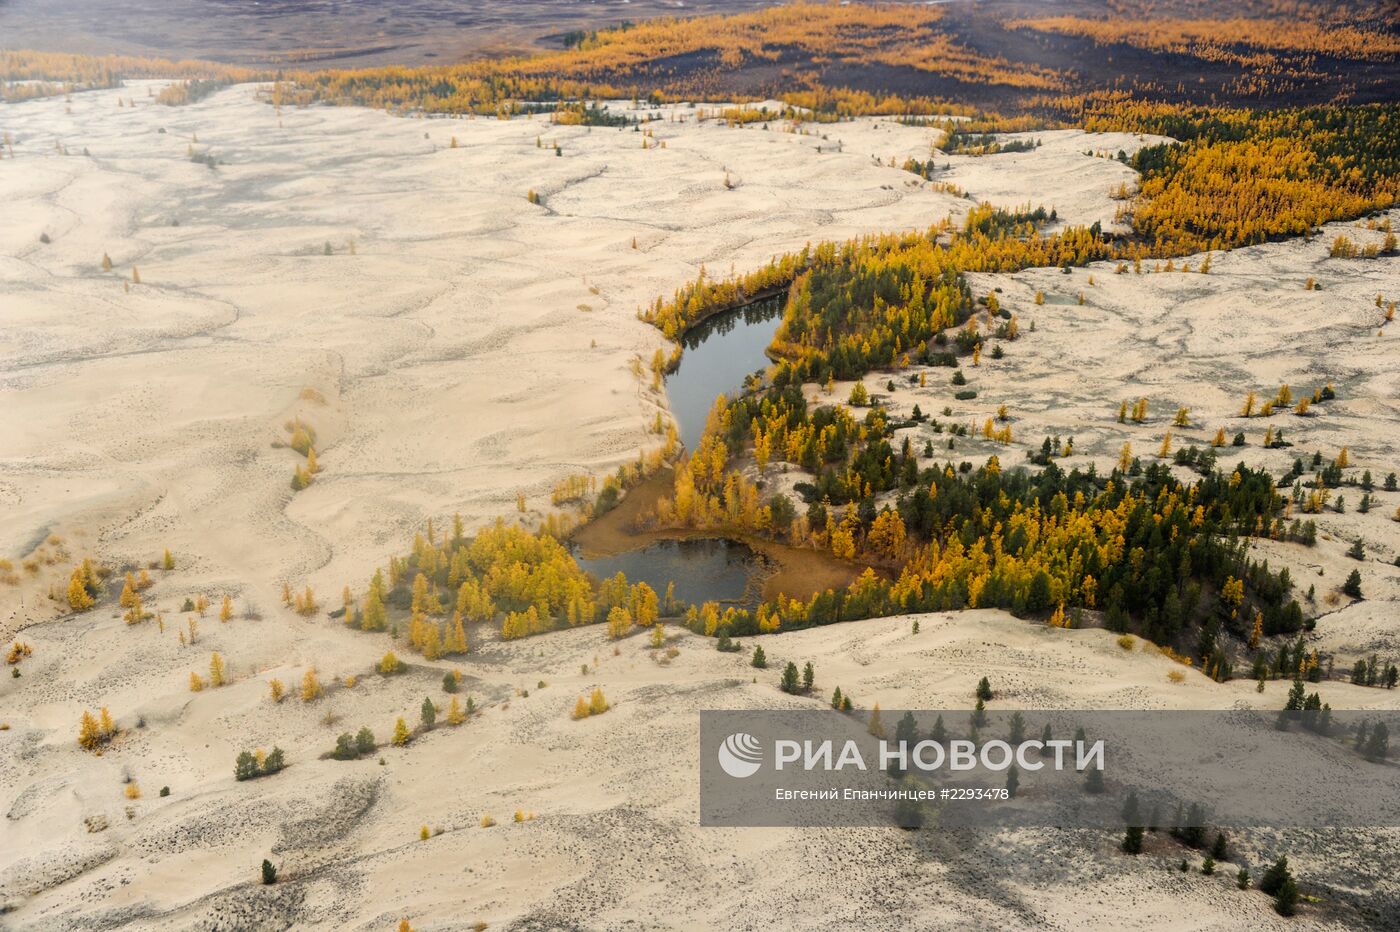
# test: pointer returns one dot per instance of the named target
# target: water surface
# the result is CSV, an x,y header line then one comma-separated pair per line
x,y
702,570
718,354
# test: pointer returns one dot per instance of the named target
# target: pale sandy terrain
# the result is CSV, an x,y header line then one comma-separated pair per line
x,y
472,346
458,367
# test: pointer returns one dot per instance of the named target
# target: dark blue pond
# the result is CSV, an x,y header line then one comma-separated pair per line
x,y
718,354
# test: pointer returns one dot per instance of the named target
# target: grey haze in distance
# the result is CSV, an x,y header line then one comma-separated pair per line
x,y
322,33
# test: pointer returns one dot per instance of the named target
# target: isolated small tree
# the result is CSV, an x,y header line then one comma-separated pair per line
x,y
809,676
1286,899
789,682
168,560
345,748
1013,781
619,622
89,735
984,689
364,741
269,873
427,714
1274,877
580,708
759,660
78,598
597,705
401,734
374,617
216,670
128,598
1377,746
310,686
1352,586
875,726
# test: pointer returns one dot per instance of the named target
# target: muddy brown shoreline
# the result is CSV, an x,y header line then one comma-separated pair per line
x,y
793,572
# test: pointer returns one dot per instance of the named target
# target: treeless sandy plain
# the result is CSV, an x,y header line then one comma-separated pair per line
x,y
461,344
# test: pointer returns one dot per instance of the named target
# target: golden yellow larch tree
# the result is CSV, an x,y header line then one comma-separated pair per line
x,y
89,735
619,622
887,535
78,598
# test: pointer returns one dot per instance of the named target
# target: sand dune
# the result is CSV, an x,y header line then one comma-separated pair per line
x,y
473,345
